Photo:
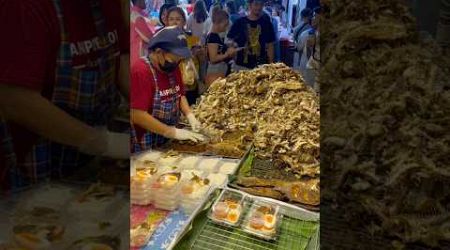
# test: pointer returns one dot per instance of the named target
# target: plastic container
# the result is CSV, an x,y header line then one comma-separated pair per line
x,y
189,162
104,241
228,167
151,156
218,180
263,220
50,195
27,227
141,183
99,202
209,164
166,190
189,173
169,161
228,208
193,191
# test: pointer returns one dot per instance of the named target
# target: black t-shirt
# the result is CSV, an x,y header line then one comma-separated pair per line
x,y
215,38
253,35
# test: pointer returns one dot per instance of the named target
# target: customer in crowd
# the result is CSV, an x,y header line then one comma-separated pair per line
x,y
314,61
300,36
140,31
311,49
218,53
208,22
281,12
275,20
163,17
158,95
176,17
231,9
190,6
196,20
303,24
242,12
256,35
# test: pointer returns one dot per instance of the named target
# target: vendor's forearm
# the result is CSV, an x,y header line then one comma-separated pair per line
x,y
32,111
144,120
184,106
124,76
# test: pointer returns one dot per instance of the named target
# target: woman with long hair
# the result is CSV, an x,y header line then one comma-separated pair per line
x,y
196,20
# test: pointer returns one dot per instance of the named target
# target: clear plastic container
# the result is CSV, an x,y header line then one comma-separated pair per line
x,y
104,241
193,191
209,164
96,203
187,174
189,162
228,208
263,220
166,190
141,183
218,180
37,228
228,167
49,195
169,161
150,155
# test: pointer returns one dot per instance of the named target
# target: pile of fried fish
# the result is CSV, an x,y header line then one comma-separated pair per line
x,y
279,110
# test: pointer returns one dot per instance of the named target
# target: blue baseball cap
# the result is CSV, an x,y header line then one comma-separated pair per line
x,y
171,39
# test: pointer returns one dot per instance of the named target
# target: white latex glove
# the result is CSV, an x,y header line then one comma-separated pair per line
x,y
117,145
195,124
108,144
183,135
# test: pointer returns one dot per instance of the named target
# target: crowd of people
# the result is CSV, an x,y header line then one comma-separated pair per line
x,y
177,59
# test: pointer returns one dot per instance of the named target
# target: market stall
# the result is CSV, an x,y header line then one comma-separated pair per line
x,y
253,184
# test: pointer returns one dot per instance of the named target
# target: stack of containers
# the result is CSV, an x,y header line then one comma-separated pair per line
x,y
141,183
166,189
193,191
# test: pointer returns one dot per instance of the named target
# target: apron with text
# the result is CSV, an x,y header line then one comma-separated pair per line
x,y
86,93
166,111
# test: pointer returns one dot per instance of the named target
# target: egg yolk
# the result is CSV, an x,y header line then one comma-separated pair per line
x,y
268,218
233,216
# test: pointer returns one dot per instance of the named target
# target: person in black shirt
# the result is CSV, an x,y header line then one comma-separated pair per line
x,y
256,35
218,53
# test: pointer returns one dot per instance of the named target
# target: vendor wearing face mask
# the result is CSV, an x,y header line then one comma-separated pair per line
x,y
158,95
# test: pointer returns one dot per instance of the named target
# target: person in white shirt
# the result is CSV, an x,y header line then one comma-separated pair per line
x,y
196,20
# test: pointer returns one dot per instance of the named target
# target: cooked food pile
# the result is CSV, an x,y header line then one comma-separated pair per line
x,y
394,160
279,110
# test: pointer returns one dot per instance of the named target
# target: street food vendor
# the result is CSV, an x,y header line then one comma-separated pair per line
x,y
158,94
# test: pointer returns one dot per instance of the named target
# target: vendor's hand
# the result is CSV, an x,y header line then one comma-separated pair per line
x,y
109,144
183,135
117,145
195,124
